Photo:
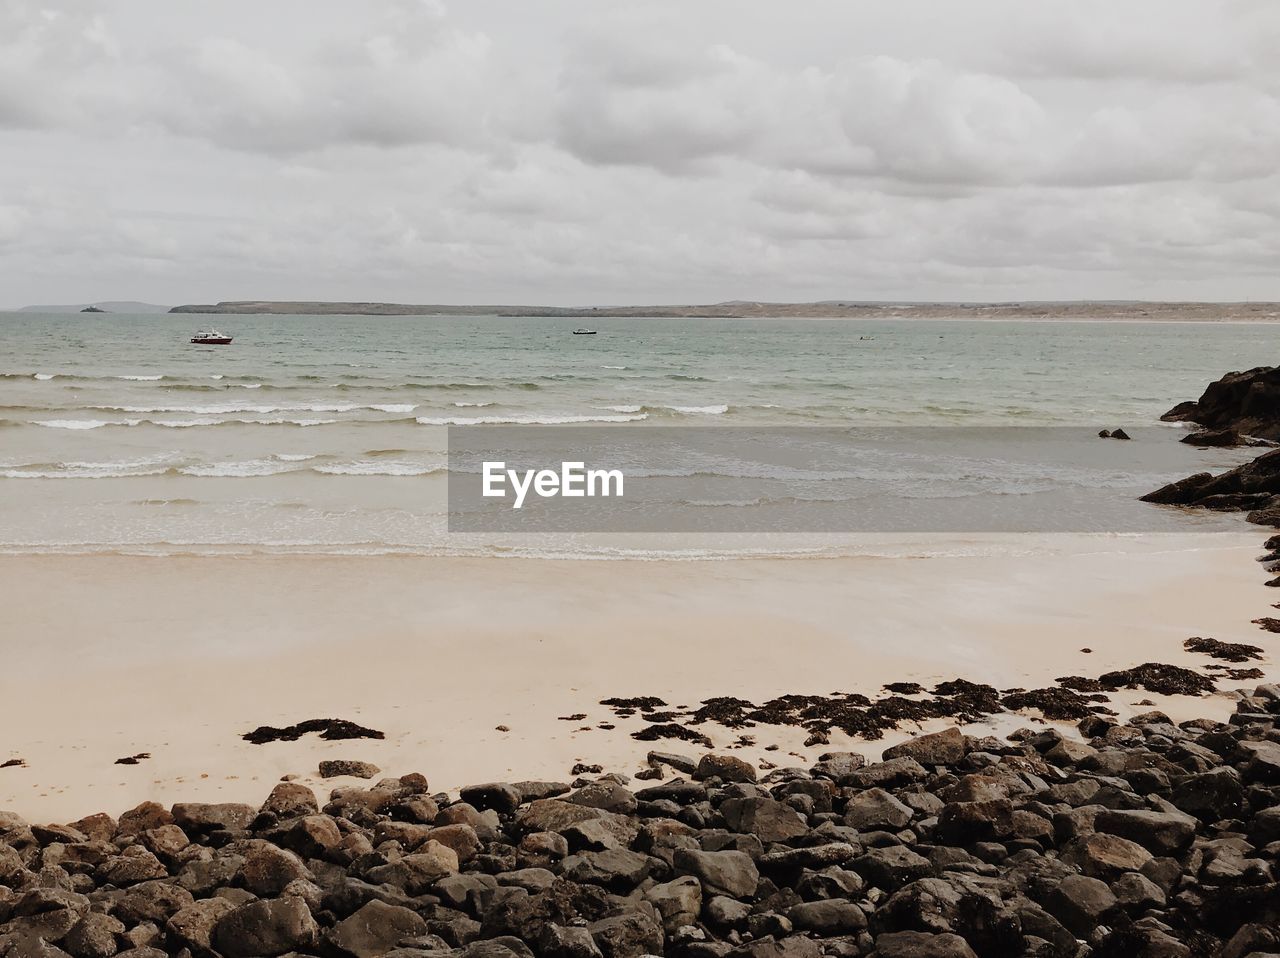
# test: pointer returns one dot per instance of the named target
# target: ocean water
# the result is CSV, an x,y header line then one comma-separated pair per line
x,y
328,434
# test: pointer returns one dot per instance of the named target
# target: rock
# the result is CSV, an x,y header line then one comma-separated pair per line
x,y
680,763
1080,903
721,873
891,868
828,918
130,869
918,944
268,870
839,766
94,936
1211,795
1068,751
769,820
1250,486
629,935
165,842
192,926
153,901
336,768
1264,761
200,818
290,800
312,836
416,873
727,768
617,869
875,809
265,928
498,796
962,823
375,929
1208,438
813,856
145,816
1246,402
1161,833
937,748
1106,856
678,902
557,941
1138,892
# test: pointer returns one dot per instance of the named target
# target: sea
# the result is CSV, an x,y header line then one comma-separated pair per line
x,y
330,434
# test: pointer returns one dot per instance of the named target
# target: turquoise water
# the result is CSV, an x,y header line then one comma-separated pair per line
x,y
324,433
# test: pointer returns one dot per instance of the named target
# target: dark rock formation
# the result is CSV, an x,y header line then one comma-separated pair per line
x,y
1253,487
1247,403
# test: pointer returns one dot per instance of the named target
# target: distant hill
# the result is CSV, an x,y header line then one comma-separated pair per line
x,y
112,306
738,309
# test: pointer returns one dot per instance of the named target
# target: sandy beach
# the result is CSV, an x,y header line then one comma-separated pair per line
x,y
179,656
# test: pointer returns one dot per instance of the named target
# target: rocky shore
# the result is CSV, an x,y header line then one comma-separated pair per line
x,y
1143,839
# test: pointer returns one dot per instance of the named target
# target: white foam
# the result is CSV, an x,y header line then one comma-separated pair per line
x,y
700,410
292,457
74,423
529,420
627,409
363,468
43,376
236,470
152,466
141,379
613,367
393,407
477,405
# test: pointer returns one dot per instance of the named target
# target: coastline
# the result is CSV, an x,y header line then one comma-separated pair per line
x,y
1083,311
179,656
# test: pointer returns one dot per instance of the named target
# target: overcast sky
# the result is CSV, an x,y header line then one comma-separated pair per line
x,y
600,151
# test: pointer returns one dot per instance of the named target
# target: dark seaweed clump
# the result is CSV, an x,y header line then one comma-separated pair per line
x,y
655,733
332,730
1159,678
1062,704
1227,651
645,703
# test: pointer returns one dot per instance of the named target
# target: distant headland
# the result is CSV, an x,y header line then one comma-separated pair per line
x,y
741,309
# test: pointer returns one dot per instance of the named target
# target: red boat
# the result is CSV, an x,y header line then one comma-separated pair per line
x,y
211,338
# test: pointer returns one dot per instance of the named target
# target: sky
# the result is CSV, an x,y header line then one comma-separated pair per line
x,y
591,152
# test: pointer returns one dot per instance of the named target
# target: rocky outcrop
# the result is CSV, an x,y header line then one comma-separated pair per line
x,y
1148,839
1246,403
1253,487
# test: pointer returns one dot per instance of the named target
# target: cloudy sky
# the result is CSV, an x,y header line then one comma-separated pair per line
x,y
600,151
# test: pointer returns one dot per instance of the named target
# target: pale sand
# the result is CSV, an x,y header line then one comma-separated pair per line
x,y
106,656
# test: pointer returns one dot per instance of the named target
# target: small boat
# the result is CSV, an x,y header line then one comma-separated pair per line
x,y
93,309
211,338
584,332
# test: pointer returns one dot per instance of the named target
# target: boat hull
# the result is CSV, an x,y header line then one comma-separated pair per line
x,y
211,340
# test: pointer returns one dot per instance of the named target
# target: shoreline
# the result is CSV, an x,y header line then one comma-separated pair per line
x,y
227,644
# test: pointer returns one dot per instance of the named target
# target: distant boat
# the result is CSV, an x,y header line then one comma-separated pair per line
x,y
211,338
93,309
584,332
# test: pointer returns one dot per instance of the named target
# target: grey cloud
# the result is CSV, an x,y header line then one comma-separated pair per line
x,y
605,151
